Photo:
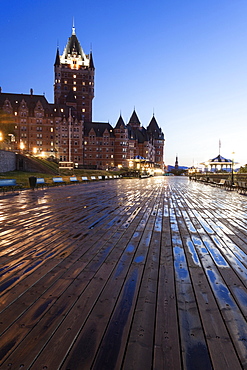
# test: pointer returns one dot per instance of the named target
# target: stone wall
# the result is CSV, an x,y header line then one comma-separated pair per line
x,y
7,161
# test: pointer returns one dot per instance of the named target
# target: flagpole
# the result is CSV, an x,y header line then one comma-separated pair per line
x,y
70,135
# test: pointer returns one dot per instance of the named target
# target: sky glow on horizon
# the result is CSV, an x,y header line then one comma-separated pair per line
x,y
184,61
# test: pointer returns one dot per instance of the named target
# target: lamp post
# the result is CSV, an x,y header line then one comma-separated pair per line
x,y
22,146
1,139
206,166
232,169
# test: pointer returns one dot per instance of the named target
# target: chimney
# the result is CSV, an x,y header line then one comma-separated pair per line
x,y
0,89
31,91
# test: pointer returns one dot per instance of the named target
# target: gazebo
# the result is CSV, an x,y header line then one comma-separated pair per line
x,y
219,163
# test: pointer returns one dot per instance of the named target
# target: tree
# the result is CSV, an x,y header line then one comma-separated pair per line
x,y
178,172
243,169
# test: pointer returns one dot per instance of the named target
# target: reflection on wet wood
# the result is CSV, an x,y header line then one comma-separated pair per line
x,y
144,274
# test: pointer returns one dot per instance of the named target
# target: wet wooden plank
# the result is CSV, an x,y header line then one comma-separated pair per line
x,y
139,349
167,352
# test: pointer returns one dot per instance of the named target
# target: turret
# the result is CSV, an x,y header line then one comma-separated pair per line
x,y
74,73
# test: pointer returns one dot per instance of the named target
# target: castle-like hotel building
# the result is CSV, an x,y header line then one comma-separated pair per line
x,y
65,129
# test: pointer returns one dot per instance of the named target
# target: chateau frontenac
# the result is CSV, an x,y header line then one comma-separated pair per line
x,y
65,130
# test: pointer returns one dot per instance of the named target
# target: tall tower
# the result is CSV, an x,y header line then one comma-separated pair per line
x,y
74,78
176,163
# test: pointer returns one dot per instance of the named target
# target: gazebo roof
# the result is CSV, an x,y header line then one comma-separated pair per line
x,y
220,159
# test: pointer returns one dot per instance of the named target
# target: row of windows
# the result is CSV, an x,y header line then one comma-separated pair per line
x,y
24,114
90,90
65,136
98,143
85,76
105,137
63,158
98,149
90,83
38,128
40,142
98,156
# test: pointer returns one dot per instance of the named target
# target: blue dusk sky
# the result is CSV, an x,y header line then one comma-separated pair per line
x,y
184,61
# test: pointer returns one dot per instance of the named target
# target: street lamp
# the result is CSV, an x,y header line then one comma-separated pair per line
x,y
1,139
232,168
22,146
206,167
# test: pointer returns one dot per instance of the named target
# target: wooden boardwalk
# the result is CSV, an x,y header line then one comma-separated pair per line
x,y
125,274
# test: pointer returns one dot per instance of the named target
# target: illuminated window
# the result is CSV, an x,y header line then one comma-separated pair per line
x,y
74,88
74,82
65,81
74,76
83,110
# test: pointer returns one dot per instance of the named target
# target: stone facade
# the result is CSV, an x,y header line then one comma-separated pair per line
x,y
7,161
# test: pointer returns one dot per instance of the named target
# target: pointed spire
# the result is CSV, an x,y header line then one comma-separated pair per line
x,y
153,123
120,122
134,120
57,60
91,63
73,27
155,129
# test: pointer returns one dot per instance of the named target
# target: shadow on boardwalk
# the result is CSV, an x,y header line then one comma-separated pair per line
x,y
132,274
